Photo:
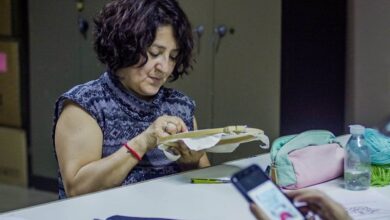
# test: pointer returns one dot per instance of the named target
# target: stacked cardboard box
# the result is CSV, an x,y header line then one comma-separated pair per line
x,y
5,18
13,157
10,103
13,147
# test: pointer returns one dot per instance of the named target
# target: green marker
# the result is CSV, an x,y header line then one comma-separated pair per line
x,y
209,180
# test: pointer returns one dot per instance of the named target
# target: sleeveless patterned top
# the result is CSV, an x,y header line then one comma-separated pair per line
x,y
121,116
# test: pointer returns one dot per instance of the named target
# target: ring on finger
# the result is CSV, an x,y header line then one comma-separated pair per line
x,y
170,125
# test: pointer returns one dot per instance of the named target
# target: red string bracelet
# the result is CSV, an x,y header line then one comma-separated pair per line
x,y
133,152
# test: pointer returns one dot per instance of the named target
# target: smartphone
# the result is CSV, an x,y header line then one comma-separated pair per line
x,y
256,187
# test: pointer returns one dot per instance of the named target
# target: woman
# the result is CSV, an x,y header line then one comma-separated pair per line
x,y
106,131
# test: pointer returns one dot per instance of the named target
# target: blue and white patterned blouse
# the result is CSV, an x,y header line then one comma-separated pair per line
x,y
121,116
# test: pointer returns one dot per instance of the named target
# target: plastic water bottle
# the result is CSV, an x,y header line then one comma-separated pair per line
x,y
357,163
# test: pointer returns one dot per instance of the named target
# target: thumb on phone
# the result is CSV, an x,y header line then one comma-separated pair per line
x,y
257,212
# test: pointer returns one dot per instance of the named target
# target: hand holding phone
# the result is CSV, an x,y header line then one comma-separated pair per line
x,y
257,188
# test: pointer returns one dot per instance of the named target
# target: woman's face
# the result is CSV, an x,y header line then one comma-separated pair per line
x,y
146,81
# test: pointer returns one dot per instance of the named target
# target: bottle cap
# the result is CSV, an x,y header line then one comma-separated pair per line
x,y
356,129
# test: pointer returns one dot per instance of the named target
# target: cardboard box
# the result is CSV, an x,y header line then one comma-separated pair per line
x,y
5,17
13,157
10,92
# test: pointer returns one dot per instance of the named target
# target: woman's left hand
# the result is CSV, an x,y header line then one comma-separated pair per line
x,y
189,159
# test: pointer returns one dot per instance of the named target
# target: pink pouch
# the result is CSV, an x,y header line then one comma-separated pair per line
x,y
316,164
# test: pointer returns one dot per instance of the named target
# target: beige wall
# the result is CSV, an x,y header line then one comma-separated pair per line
x,y
368,57
240,82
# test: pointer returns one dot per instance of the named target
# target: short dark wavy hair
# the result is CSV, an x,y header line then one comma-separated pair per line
x,y
125,29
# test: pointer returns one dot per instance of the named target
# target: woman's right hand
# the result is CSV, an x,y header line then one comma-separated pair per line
x,y
320,204
163,126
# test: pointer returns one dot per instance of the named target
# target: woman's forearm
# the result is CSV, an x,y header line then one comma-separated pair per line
x,y
105,173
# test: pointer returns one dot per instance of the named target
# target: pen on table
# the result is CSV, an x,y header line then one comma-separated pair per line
x,y
209,180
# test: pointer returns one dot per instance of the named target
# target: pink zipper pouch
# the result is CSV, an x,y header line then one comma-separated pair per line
x,y
316,164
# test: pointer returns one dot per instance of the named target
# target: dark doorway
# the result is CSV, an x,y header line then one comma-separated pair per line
x,y
313,65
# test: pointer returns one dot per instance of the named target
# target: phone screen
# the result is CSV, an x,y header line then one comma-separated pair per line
x,y
258,188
